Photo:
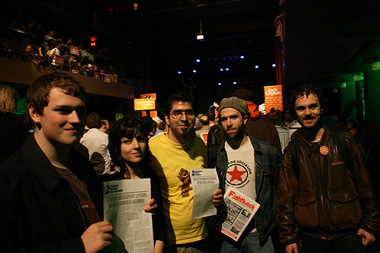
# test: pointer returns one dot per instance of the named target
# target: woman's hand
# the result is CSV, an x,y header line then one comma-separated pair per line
x,y
151,207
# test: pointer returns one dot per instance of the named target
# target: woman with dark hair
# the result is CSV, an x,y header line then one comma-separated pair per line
x,y
128,146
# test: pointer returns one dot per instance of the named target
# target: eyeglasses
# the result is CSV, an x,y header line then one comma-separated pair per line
x,y
178,113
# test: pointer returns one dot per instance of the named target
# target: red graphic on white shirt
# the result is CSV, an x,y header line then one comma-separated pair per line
x,y
236,174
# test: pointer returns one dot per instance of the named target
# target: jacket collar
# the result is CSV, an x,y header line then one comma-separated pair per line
x,y
309,146
40,165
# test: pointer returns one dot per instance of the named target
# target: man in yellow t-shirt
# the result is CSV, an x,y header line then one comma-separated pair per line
x,y
173,154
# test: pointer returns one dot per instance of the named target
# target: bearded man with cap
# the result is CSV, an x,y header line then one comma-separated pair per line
x,y
252,167
258,126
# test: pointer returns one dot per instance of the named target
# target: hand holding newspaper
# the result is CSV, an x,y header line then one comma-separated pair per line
x,y
124,202
238,214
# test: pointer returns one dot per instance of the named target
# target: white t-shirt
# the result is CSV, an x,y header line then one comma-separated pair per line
x,y
97,144
241,169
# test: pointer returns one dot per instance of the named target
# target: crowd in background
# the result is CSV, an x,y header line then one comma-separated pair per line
x,y
29,43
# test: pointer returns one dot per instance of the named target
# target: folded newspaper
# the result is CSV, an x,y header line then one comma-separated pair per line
x,y
238,214
205,182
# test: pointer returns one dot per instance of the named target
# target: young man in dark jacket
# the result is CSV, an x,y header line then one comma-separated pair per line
x,y
326,203
250,166
47,189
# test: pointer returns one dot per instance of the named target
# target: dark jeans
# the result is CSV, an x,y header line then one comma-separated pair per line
x,y
351,243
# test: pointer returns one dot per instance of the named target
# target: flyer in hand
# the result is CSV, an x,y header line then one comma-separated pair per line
x,y
205,182
238,214
124,202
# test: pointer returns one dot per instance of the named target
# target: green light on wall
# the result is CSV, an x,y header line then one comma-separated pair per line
x,y
21,106
375,65
358,77
360,93
343,84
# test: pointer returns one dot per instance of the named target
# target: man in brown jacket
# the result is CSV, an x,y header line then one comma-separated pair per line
x,y
324,203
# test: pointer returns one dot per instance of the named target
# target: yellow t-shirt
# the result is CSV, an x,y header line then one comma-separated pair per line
x,y
171,162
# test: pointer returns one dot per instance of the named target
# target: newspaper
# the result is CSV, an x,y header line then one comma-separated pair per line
x,y
239,213
124,202
205,182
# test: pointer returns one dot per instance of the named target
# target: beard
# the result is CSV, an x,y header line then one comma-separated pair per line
x,y
309,133
238,135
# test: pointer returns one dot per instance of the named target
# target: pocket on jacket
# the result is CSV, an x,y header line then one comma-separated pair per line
x,y
345,209
306,211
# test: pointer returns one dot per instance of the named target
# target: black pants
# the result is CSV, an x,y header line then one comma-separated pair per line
x,y
351,243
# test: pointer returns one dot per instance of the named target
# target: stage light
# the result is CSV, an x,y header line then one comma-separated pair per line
x,y
256,66
273,65
220,84
194,71
179,72
200,37
197,60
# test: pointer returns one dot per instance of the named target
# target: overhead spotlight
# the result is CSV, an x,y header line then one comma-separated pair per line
x,y
221,69
242,57
220,84
200,36
197,60
179,72
227,69
194,71
256,66
274,65
234,83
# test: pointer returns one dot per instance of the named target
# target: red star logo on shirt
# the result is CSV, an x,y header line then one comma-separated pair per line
x,y
236,174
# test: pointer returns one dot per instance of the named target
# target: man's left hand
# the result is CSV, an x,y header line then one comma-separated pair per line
x,y
217,198
367,238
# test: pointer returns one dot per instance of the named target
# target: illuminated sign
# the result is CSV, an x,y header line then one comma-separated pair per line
x,y
273,98
145,104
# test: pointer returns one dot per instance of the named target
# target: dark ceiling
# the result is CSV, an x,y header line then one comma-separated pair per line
x,y
159,39
238,36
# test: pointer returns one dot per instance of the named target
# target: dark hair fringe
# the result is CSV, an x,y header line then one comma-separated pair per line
x,y
128,127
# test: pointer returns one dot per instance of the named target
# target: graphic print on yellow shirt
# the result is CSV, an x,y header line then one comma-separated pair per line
x,y
184,176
